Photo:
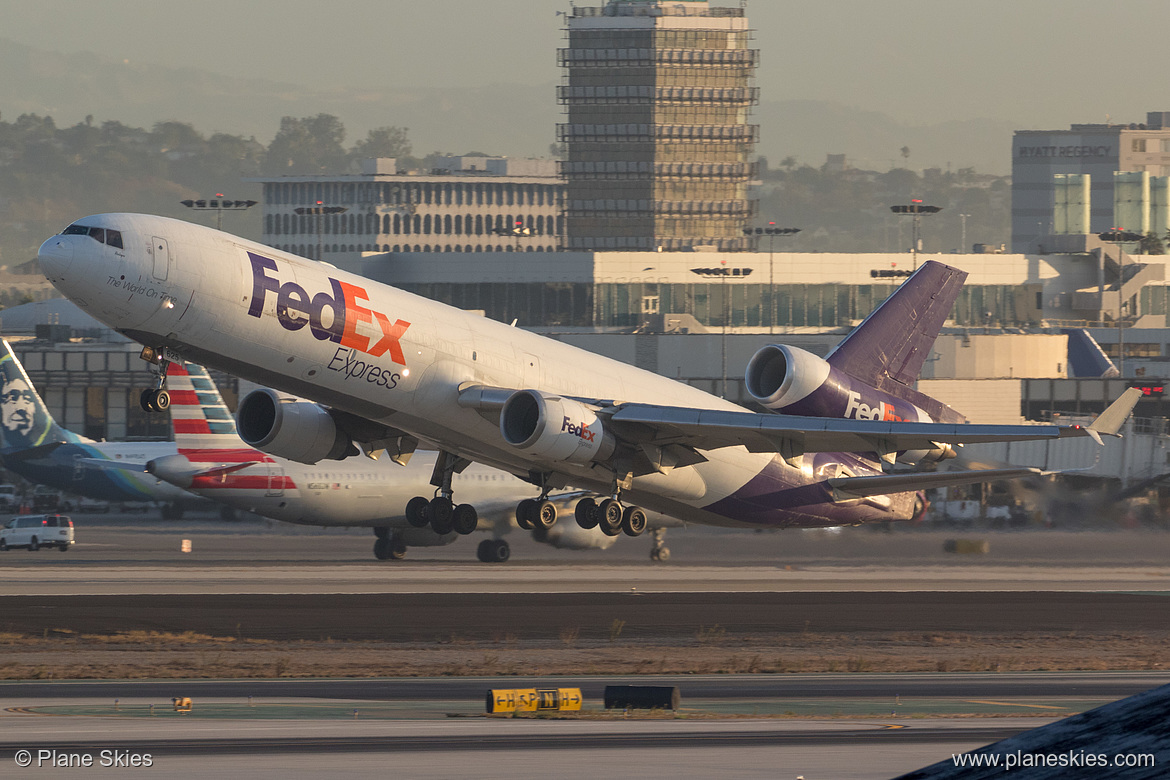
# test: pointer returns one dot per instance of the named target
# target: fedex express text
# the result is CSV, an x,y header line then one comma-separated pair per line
x,y
296,308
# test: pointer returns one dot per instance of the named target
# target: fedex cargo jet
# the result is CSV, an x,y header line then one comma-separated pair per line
x,y
386,368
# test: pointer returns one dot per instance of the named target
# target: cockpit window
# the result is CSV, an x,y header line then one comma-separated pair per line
x,y
101,235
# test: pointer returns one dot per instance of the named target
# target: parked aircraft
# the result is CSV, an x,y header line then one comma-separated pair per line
x,y
210,460
41,451
386,368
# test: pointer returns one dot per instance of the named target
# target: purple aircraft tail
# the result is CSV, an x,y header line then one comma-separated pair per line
x,y
894,341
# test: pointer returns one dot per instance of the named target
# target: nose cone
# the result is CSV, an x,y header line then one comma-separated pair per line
x,y
55,255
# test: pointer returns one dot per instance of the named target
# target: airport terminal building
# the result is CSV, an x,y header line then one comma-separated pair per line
x,y
467,204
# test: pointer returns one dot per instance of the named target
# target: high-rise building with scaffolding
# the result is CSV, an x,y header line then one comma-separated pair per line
x,y
657,139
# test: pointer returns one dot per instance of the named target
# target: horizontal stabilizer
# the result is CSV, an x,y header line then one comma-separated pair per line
x,y
28,453
845,488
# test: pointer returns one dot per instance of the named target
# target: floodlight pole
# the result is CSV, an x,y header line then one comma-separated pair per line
x,y
771,231
219,204
320,210
916,208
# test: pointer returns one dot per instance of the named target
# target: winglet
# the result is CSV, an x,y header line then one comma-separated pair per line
x,y
1109,422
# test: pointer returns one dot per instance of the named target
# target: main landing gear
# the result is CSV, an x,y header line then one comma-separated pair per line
x,y
441,513
537,513
611,516
389,545
158,399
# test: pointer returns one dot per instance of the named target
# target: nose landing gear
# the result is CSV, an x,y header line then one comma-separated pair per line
x,y
157,399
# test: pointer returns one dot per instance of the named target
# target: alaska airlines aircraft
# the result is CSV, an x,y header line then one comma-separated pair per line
x,y
387,368
41,451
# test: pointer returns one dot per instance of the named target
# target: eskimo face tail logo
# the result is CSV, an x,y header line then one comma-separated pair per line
x,y
295,309
22,418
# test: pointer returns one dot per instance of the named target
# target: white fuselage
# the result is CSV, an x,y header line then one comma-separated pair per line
x,y
355,491
400,360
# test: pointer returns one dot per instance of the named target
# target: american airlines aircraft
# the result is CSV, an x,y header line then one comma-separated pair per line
x,y
214,462
386,368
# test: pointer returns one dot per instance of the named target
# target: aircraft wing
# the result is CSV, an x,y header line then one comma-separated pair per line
x,y
112,465
845,488
790,435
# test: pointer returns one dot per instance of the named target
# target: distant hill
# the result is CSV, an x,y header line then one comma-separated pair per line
x,y
516,120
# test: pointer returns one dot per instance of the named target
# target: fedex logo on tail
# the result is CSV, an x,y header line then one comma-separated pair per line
x,y
296,308
860,411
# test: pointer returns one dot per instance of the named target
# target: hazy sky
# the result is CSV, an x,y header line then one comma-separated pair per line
x,y
1040,63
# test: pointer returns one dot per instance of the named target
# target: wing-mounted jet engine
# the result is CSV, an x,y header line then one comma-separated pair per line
x,y
790,380
308,433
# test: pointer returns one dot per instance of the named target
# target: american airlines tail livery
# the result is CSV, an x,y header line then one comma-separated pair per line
x,y
385,369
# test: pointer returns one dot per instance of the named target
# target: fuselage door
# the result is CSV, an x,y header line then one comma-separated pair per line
x,y
275,480
530,365
162,257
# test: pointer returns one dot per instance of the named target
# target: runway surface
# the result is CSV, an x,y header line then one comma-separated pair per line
x,y
283,585
252,558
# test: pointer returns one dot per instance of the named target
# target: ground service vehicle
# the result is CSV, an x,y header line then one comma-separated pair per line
x,y
36,531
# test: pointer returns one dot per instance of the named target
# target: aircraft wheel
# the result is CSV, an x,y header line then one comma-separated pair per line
x,y
416,511
662,554
545,515
493,551
633,521
146,401
382,549
397,549
525,511
610,517
34,545
586,513
464,520
162,400
440,511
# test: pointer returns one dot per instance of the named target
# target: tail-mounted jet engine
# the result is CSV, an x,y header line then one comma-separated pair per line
x,y
556,428
792,381
297,430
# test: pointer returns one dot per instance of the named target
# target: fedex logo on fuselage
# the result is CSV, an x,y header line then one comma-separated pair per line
x,y
295,309
860,411
581,431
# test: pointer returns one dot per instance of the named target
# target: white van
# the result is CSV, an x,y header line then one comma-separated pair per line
x,y
37,531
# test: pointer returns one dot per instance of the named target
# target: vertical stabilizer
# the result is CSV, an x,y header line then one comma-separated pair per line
x,y
894,341
205,431
24,419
